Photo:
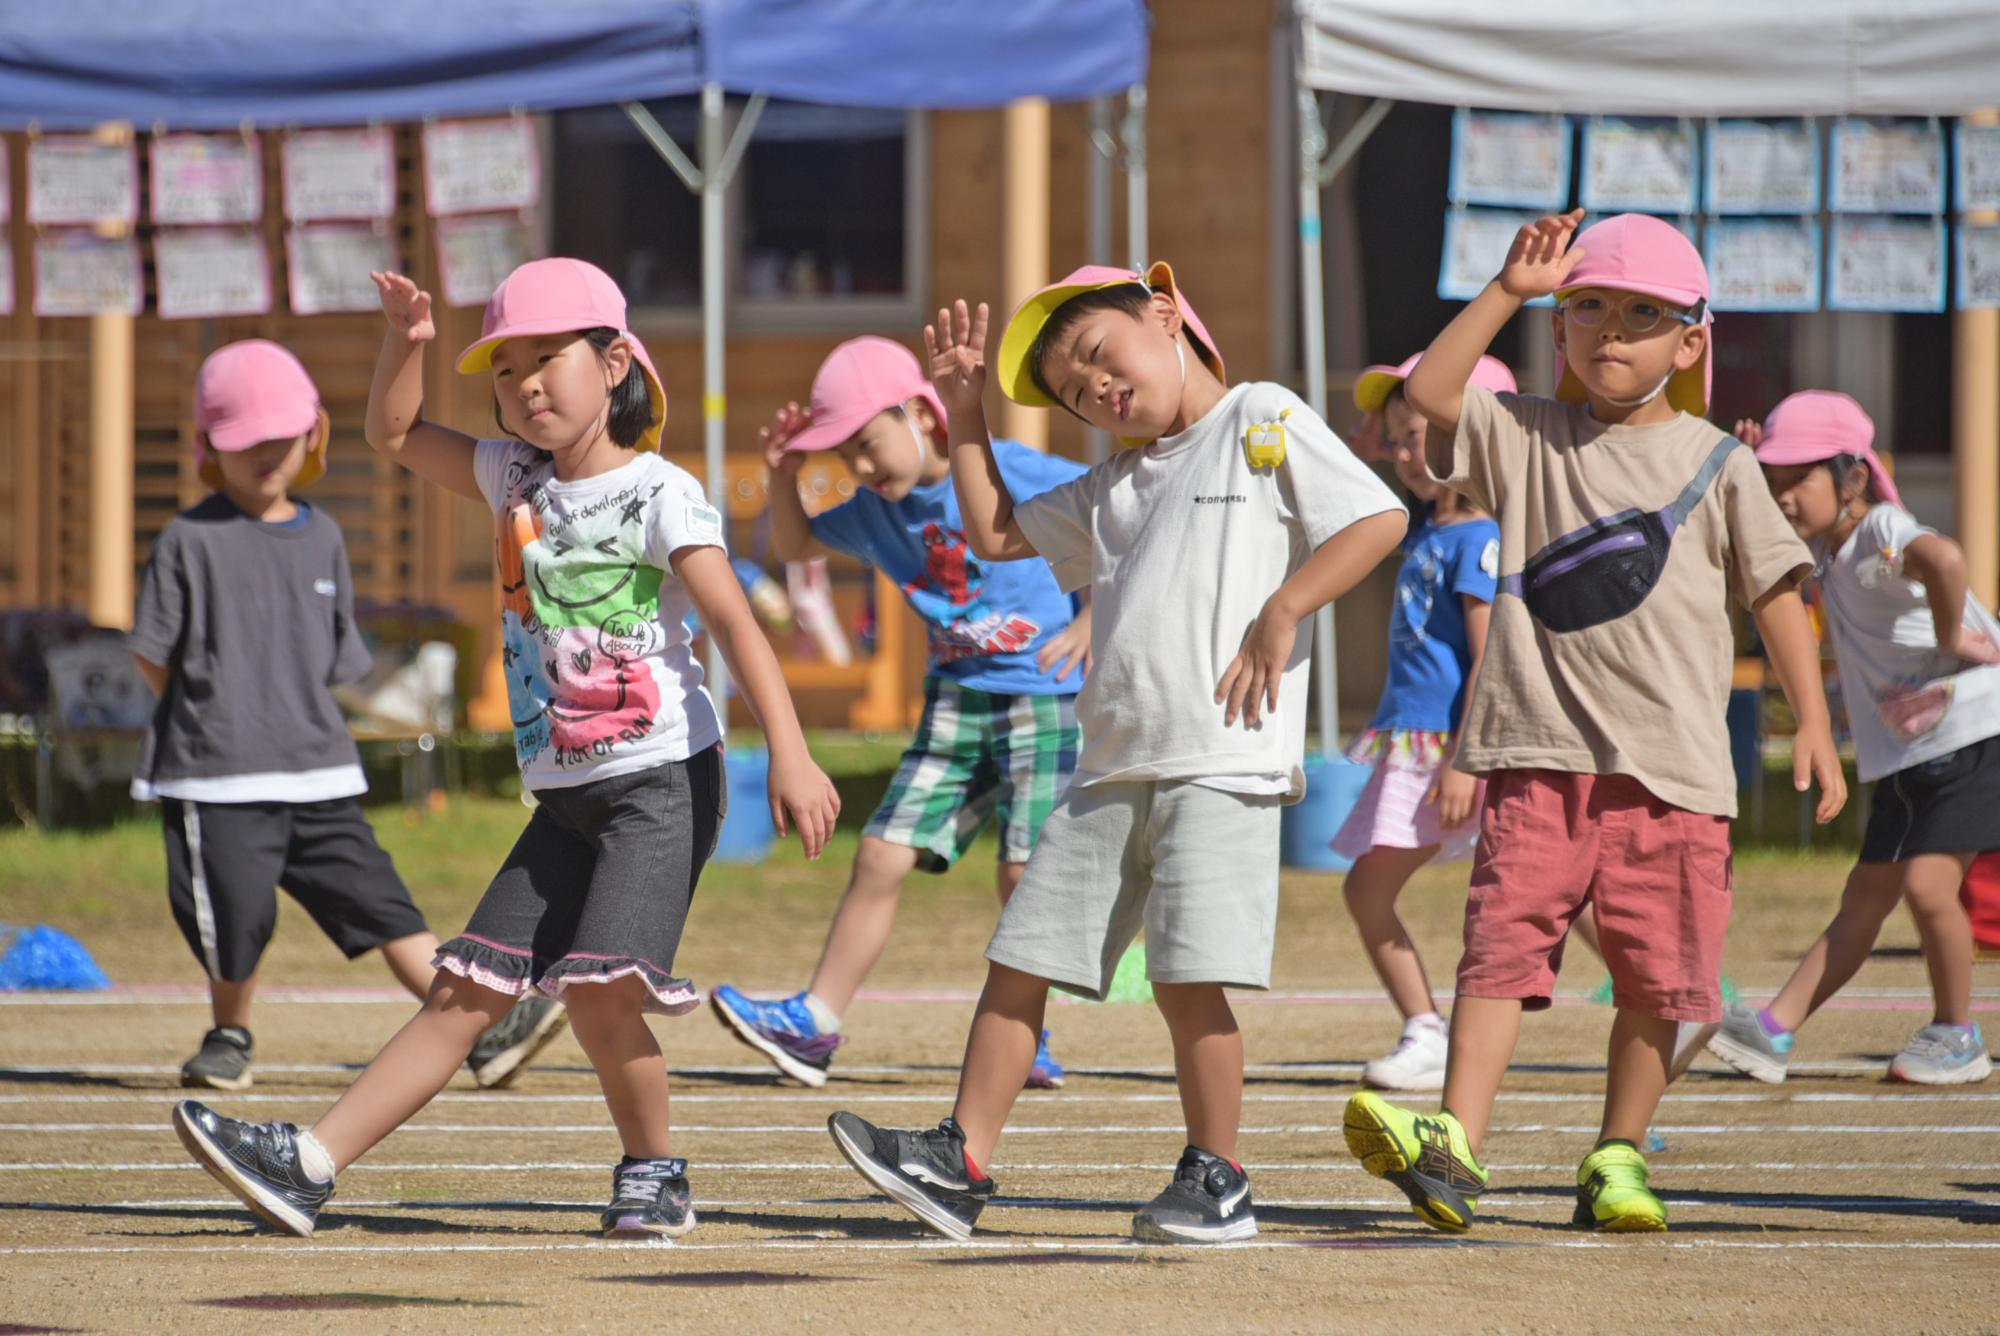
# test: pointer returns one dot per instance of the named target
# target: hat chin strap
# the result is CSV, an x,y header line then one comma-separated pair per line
x,y
1645,398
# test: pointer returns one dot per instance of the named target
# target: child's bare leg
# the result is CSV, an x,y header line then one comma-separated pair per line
x,y
608,1022
1930,886
1208,1062
1484,1031
862,924
1873,890
411,1068
1000,1050
409,959
1371,888
229,1003
1636,1064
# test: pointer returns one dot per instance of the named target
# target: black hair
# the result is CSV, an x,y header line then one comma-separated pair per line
x,y
631,414
1132,298
1395,393
1843,464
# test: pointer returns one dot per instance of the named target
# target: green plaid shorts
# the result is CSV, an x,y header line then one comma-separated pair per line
x,y
978,753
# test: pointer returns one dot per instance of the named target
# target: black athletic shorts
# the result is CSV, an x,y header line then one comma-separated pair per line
x,y
224,859
1950,805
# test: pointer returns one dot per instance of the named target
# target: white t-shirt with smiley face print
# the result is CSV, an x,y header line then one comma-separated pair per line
x,y
601,676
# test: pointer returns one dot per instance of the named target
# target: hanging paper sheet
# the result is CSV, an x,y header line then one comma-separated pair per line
x,y
1761,166
1638,165
1976,177
1885,166
328,266
1884,263
79,180
1978,265
1510,158
200,179
481,166
78,272
209,272
1764,264
339,175
1475,246
477,251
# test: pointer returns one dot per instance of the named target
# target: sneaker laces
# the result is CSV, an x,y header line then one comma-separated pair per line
x,y
1933,1041
646,1180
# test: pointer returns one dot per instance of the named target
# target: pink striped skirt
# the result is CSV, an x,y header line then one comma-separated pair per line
x,y
1392,811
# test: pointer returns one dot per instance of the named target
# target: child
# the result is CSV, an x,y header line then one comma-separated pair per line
x,y
1417,806
1204,550
1914,643
1626,522
251,760
604,549
998,735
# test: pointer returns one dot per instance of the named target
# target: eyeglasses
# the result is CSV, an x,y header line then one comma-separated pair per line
x,y
1638,313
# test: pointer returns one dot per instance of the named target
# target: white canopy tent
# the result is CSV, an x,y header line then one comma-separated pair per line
x,y
1698,58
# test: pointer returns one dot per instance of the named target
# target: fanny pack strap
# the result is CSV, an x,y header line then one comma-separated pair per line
x,y
1698,486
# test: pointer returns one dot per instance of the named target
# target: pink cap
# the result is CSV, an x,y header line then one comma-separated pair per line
x,y
1635,252
1813,426
860,378
1374,386
561,296
250,392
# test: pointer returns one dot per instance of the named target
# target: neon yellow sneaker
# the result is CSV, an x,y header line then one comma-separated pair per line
x,y
1611,1193
1423,1154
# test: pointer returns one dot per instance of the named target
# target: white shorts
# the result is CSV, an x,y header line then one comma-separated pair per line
x,y
1197,868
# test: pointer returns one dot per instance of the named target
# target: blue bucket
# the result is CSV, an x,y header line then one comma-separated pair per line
x,y
1333,786
747,832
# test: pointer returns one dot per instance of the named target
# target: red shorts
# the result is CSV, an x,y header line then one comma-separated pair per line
x,y
1550,842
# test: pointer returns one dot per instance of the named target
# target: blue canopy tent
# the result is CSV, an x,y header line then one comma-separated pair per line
x,y
207,64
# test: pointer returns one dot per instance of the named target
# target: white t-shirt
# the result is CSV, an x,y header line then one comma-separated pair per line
x,y
1181,544
600,677
1907,702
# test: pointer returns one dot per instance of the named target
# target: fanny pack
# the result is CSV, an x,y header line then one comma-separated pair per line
x,y
1602,571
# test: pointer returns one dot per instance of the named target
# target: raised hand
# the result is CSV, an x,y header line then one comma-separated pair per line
x,y
772,440
955,348
1541,256
1750,431
407,306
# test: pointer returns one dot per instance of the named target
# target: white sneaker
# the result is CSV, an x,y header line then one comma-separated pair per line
x,y
1417,1061
1943,1055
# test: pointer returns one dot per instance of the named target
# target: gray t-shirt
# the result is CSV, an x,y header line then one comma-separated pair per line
x,y
255,624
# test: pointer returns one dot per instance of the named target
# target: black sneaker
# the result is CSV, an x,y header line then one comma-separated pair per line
x,y
512,1042
649,1199
223,1062
1208,1202
259,1162
923,1172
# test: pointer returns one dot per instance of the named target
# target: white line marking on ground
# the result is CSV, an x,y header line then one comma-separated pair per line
x,y
834,1164
294,1248
1038,1099
939,1070
1161,1129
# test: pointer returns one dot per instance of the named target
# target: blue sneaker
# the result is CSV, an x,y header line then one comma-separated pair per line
x,y
783,1031
1047,1073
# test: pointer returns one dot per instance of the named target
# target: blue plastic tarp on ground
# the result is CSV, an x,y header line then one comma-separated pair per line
x,y
216,64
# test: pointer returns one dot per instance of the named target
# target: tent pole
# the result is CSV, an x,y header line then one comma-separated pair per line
x,y
1138,245
1025,245
1097,222
111,468
1975,453
1312,294
714,403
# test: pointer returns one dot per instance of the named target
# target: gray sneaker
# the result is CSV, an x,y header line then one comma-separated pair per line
x,y
1943,1055
1742,1043
223,1062
511,1042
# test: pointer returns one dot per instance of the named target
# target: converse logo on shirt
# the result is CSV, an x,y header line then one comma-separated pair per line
x,y
1229,499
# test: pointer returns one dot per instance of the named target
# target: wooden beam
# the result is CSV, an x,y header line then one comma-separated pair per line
x,y
1024,243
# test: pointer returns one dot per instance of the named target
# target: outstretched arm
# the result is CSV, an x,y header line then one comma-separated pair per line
x,y
956,349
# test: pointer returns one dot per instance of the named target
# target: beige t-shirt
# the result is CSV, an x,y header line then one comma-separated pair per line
x,y
1644,694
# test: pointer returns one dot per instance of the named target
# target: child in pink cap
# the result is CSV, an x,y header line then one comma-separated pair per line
x,y
605,549
1627,523
1418,807
1007,648
245,621
1920,669
1207,545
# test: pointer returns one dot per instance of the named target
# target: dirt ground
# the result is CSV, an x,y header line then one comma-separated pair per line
x,y
1835,1202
